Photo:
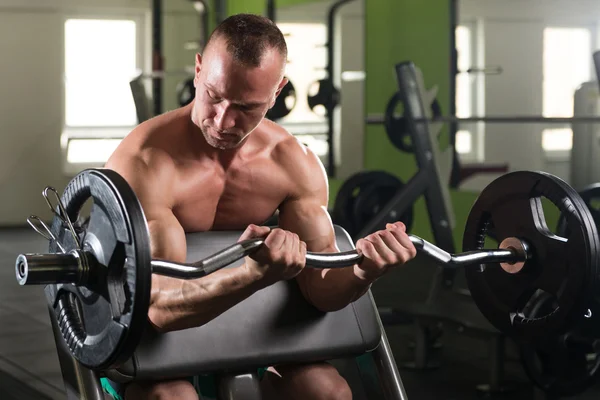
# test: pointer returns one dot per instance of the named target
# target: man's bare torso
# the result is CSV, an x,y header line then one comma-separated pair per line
x,y
214,189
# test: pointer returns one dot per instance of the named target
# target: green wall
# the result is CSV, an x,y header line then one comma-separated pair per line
x,y
259,6
246,6
417,31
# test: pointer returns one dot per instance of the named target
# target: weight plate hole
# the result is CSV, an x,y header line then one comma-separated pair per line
x,y
551,216
83,218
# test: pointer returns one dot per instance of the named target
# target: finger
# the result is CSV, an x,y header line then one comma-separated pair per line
x,y
287,249
404,241
400,251
396,225
255,231
295,246
247,233
301,255
303,252
275,241
388,255
368,251
296,251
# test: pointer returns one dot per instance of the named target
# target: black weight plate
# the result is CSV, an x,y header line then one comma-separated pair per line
x,y
590,195
327,95
186,91
102,322
397,128
343,208
591,324
284,103
371,199
562,365
564,267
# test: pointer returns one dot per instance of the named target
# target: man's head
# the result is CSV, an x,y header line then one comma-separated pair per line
x,y
238,78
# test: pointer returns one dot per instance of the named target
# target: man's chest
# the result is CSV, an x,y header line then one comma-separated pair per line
x,y
231,200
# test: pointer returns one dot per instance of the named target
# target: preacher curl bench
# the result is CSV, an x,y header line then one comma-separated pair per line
x,y
273,326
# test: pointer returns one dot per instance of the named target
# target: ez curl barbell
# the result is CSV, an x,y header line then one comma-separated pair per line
x,y
98,273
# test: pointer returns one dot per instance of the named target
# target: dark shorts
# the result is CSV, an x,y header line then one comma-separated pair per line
x,y
204,384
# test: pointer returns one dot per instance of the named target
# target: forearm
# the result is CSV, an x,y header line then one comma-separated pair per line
x,y
179,304
333,289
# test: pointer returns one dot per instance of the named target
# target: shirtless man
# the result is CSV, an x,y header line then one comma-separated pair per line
x,y
217,164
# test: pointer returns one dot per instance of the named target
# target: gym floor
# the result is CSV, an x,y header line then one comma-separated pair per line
x,y
29,366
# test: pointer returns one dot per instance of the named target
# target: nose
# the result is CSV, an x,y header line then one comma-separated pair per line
x,y
224,117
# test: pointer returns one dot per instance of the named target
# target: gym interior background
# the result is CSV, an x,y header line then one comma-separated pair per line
x,y
66,102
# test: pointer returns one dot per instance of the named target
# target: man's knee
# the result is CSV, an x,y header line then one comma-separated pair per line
x,y
333,386
316,381
182,390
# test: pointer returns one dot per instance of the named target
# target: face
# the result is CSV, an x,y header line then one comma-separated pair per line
x,y
231,99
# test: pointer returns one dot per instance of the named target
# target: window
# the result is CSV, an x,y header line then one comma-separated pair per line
x,y
91,150
464,96
101,58
307,59
567,53
469,90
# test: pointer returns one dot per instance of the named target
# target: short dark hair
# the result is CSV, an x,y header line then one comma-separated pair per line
x,y
248,36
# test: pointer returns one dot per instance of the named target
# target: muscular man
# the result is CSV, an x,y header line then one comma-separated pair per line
x,y
218,164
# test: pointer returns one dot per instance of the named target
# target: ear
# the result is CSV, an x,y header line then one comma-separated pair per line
x,y
283,82
197,68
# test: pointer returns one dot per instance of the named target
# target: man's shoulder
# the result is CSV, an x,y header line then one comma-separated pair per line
x,y
149,142
141,153
148,170
298,160
287,148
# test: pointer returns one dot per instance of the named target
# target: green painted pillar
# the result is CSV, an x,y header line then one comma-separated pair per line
x,y
397,31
